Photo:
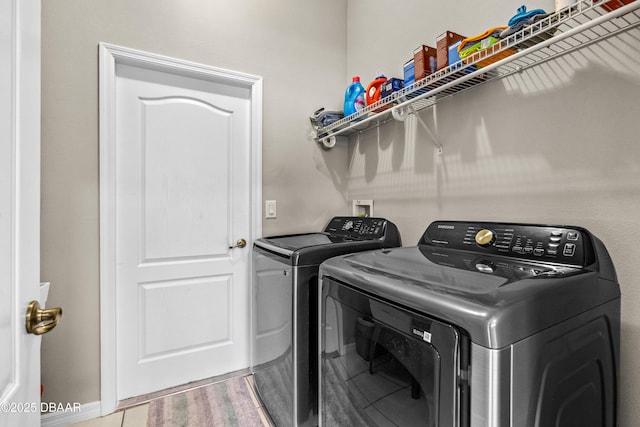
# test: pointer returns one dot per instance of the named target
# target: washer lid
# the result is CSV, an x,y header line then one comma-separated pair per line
x,y
342,235
312,249
287,244
497,300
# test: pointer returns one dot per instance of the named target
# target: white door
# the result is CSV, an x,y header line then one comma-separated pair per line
x,y
182,186
19,210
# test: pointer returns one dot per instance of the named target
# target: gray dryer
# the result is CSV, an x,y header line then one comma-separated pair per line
x,y
481,324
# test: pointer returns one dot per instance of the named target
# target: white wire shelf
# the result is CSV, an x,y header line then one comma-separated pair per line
x,y
562,32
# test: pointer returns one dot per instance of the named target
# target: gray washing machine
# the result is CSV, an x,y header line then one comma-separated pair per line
x,y
481,324
285,290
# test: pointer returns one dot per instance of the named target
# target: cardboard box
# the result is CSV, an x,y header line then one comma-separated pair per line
x,y
443,41
424,58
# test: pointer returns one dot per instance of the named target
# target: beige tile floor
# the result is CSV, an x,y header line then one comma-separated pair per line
x,y
131,417
136,416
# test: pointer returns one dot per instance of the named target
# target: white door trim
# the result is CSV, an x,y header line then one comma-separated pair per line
x,y
110,55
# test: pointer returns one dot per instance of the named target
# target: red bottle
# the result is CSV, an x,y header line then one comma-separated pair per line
x,y
373,90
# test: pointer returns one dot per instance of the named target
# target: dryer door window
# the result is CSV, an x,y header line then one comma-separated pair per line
x,y
382,365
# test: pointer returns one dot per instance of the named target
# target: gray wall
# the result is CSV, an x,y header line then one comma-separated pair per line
x,y
556,144
298,47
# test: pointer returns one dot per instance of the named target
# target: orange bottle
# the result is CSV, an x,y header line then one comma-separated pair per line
x,y
373,90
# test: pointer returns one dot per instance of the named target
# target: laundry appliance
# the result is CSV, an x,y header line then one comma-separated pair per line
x,y
285,300
481,324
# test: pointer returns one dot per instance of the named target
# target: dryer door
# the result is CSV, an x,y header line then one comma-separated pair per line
x,y
383,365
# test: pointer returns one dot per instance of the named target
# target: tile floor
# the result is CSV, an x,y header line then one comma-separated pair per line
x,y
131,417
134,412
384,397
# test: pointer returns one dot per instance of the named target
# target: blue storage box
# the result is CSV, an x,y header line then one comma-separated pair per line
x,y
409,78
454,57
409,72
390,86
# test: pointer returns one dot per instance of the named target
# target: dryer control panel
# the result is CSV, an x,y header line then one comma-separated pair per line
x,y
357,227
543,243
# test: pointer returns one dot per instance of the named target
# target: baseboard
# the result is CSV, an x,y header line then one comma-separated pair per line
x,y
63,416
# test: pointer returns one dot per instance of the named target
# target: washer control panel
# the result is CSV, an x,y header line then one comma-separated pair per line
x,y
546,243
357,227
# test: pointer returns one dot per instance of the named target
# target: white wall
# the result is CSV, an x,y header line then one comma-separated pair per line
x,y
297,46
556,144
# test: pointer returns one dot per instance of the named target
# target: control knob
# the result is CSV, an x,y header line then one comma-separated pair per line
x,y
486,266
485,238
348,226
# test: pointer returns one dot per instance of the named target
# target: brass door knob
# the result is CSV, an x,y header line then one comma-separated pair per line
x,y
239,244
40,320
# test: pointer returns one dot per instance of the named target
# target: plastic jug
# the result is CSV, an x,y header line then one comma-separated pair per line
x,y
354,97
374,89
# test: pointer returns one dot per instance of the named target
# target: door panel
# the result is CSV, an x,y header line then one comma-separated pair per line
x,y
19,210
162,334
185,177
182,168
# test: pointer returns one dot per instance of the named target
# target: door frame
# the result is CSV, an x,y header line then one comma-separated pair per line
x,y
111,55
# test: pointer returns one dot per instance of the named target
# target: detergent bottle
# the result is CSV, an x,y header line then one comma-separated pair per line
x,y
354,97
374,88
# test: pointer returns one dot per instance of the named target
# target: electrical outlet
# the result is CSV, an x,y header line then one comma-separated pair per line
x,y
270,209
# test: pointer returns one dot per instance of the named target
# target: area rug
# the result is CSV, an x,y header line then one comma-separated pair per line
x,y
225,404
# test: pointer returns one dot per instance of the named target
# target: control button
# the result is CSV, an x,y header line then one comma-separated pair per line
x,y
554,245
538,252
552,252
572,235
569,249
517,249
556,233
485,237
528,250
555,238
485,267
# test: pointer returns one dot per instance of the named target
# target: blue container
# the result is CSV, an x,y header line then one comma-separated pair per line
x,y
410,78
354,97
409,72
390,86
454,57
